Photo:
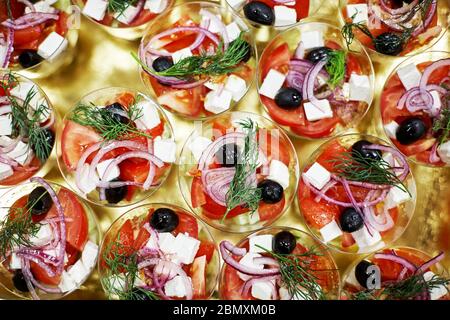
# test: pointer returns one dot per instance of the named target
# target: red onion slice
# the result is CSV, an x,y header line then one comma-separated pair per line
x,y
29,20
249,283
10,48
308,86
397,259
399,11
431,263
219,24
427,73
429,17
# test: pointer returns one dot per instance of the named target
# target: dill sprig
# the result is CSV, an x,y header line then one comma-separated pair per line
x,y
119,6
336,66
241,191
105,123
354,166
219,63
121,273
441,124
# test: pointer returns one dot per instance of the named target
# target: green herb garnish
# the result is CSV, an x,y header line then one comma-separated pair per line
x,y
336,66
441,125
119,6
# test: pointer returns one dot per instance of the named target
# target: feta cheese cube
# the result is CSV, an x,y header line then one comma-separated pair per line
x,y
435,292
233,31
20,153
317,112
198,145
52,46
317,176
284,16
89,255
257,244
67,283
15,262
24,89
444,152
5,125
166,242
78,272
186,248
279,172
113,173
216,102
215,26
285,295
436,107
346,90
95,9
312,39
165,149
359,88
152,243
150,116
364,239
177,287
43,236
87,183
360,11
391,129
252,218
272,83
235,3
155,6
128,15
409,76
5,171
237,86
330,231
248,261
41,6
395,197
262,290
215,86
181,54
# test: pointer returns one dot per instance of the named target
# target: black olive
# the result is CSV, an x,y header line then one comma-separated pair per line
x,y
164,220
318,54
162,63
359,150
410,130
259,12
271,191
113,108
29,58
39,201
115,195
361,272
19,281
288,98
248,53
351,220
388,43
284,242
139,294
228,155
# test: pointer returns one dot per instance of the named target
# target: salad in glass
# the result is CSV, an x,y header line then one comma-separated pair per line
x,y
398,273
357,193
278,263
415,108
116,147
198,59
311,84
158,251
48,240
394,27
238,172
27,129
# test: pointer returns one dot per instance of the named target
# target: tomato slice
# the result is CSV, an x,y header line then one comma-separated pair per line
x,y
198,197
332,150
278,58
143,17
125,238
141,239
318,214
186,102
22,175
231,289
269,211
416,147
273,145
198,277
187,224
207,249
27,35
318,129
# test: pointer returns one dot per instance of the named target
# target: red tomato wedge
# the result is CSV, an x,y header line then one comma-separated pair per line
x,y
318,214
273,145
187,224
20,176
332,151
207,249
198,276
269,211
232,284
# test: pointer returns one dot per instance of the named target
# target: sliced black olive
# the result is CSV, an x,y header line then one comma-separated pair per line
x,y
115,195
115,109
361,272
351,220
162,63
228,155
29,58
411,130
284,242
164,220
39,201
288,98
318,54
359,150
259,12
271,191
248,53
389,43
19,281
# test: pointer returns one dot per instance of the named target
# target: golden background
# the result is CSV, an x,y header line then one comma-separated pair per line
x,y
103,61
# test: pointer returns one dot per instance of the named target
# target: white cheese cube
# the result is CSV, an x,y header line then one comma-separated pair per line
x,y
444,152
5,125
16,262
186,248
317,176
391,129
436,107
364,239
26,89
89,254
95,9
215,26
395,197
291,3
346,90
41,6
155,6
166,242
198,145
181,54
233,31
218,102
359,88
20,153
435,292
43,236
284,16
87,183
5,171
409,76
360,11
314,113
113,173
312,39
165,149
235,3
279,172
252,218
248,261
176,287
149,115
330,231
67,283
128,15
257,244
215,86
285,295
272,83
52,46
262,290
78,272
237,86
